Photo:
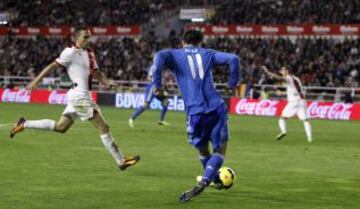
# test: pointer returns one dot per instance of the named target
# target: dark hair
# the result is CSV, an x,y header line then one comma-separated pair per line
x,y
288,68
77,31
193,37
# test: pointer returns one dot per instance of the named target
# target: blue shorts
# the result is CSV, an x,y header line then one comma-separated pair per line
x,y
205,127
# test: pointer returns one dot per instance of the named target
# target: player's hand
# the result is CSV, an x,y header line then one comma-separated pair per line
x,y
158,92
31,86
113,85
264,68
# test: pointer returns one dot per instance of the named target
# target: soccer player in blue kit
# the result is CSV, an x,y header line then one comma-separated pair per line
x,y
205,110
149,96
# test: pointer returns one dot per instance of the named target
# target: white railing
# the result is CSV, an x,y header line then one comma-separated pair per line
x,y
335,94
128,86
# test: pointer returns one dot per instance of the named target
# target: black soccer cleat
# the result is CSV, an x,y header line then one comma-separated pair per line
x,y
280,136
190,194
129,161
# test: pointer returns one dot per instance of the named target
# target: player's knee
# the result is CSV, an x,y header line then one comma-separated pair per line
x,y
61,129
146,105
204,152
220,150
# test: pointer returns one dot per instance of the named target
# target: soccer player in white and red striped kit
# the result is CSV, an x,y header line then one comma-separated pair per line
x,y
296,101
81,67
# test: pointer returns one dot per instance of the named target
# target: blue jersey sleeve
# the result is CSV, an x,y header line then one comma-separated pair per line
x,y
233,61
160,61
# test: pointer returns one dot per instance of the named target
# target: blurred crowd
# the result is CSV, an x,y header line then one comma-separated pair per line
x,y
318,62
287,12
85,12
115,12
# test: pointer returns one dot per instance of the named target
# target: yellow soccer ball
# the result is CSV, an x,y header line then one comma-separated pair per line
x,y
227,177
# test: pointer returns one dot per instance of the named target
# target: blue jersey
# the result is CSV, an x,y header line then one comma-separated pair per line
x,y
193,67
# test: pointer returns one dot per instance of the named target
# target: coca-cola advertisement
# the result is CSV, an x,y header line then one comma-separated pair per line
x,y
10,95
36,96
316,109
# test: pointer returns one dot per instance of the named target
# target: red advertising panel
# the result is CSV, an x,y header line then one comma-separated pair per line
x,y
36,96
322,110
276,30
65,30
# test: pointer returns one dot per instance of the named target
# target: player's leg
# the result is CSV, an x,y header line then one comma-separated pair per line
x,y
199,129
138,112
303,116
282,126
219,137
204,155
148,98
288,112
308,130
164,104
61,126
195,128
99,122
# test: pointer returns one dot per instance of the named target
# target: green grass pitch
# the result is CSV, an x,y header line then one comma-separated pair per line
x,y
44,170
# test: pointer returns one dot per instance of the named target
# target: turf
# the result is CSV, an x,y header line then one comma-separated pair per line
x,y
44,170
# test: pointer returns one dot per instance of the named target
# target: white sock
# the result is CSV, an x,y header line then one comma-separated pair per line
x,y
44,124
308,131
282,125
111,146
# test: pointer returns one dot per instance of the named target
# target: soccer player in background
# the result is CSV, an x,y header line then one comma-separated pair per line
x,y
81,67
149,96
205,110
296,101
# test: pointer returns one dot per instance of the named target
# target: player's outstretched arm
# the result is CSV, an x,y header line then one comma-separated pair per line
x,y
273,75
100,76
34,84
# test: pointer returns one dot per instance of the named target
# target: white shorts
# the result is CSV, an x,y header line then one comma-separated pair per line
x,y
298,108
80,105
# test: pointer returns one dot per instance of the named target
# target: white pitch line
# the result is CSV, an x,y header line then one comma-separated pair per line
x,y
5,125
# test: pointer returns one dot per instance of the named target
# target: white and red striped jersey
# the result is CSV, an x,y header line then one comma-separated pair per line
x,y
294,88
80,64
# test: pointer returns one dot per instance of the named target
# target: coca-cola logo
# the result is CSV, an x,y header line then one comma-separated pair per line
x,y
15,96
57,97
263,107
333,111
